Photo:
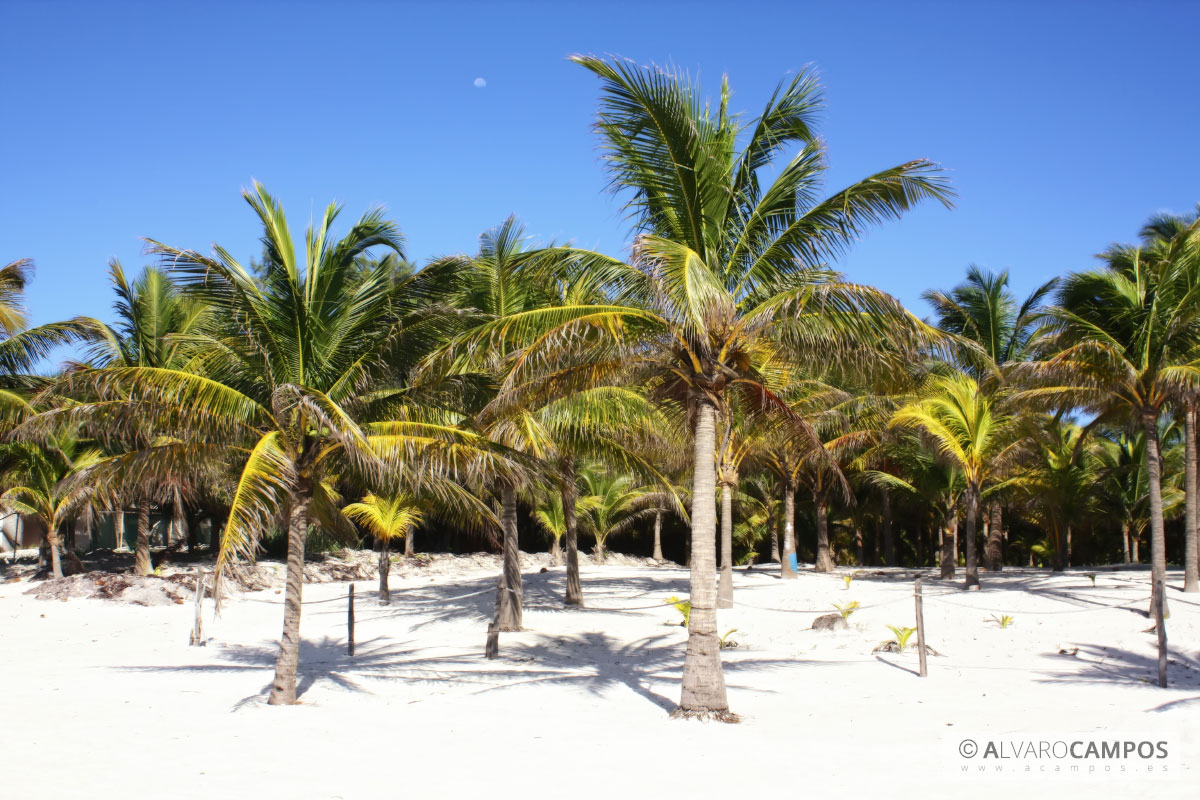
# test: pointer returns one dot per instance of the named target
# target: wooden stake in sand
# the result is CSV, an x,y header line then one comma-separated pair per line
x,y
1161,629
920,602
350,618
197,637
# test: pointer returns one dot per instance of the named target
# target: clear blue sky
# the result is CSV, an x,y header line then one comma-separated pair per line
x,y
1062,125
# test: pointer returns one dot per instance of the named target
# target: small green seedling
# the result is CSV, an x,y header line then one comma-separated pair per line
x,y
902,635
725,643
1092,575
847,579
684,607
1003,621
847,609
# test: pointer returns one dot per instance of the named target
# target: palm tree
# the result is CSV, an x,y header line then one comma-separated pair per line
x,y
22,347
1123,340
972,431
551,424
1123,494
1177,239
612,503
385,518
983,311
1061,482
152,316
39,477
272,386
728,284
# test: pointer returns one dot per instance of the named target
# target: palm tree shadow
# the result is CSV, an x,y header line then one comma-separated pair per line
x,y
1116,665
596,662
542,592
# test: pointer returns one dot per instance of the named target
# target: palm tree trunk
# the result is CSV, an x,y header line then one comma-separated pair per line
x,y
570,493
725,582
508,595
774,541
859,550
1125,539
287,663
556,554
824,556
658,556
972,523
703,680
1191,580
789,531
385,568
949,545
1135,544
141,559
51,539
409,544
889,538
119,529
993,552
1158,555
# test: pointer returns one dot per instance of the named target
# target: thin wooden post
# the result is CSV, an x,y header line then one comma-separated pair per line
x,y
1161,629
350,618
197,637
920,601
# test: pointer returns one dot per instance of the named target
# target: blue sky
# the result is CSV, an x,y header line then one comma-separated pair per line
x,y
1062,125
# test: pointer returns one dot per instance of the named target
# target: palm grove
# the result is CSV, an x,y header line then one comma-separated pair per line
x,y
330,390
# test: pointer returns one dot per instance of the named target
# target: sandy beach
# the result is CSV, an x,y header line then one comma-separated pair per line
x,y
107,698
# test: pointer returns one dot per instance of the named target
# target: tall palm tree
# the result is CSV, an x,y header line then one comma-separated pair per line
x,y
1124,340
1177,238
729,281
273,385
983,311
972,431
151,314
385,518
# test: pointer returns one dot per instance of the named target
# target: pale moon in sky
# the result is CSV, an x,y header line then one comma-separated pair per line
x,y
480,83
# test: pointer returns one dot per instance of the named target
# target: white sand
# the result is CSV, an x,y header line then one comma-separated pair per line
x,y
107,700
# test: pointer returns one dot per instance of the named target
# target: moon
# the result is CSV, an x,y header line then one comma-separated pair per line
x,y
480,83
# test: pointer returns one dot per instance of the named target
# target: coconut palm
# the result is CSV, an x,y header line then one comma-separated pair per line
x,y
1060,480
984,311
272,387
1177,239
728,284
611,503
22,348
553,424
1124,341
151,313
38,477
385,518
972,430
